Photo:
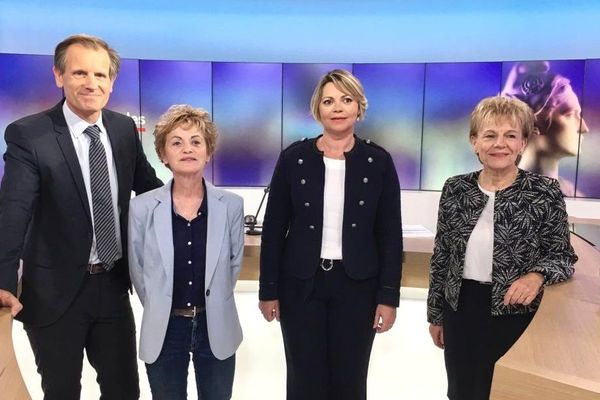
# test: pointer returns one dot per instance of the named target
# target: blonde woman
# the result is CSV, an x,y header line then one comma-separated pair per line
x,y
331,248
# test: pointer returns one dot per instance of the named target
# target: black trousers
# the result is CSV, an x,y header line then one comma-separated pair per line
x,y
327,326
100,320
474,340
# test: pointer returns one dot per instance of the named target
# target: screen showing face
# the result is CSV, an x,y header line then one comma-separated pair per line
x,y
588,167
553,90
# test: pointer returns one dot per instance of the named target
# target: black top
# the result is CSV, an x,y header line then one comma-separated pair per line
x,y
189,249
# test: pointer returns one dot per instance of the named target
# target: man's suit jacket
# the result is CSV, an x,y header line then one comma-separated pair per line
x,y
151,267
44,212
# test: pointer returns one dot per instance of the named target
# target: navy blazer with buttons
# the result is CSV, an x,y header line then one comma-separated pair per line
x,y
371,230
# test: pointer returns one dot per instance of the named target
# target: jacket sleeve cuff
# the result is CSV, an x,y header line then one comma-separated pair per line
x,y
435,314
268,291
389,296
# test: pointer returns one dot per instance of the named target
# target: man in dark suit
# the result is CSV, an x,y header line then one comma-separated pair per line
x,y
64,198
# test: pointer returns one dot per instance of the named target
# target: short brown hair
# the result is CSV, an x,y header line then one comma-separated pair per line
x,y
187,117
90,42
501,107
345,82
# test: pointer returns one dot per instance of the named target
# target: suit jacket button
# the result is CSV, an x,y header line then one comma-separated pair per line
x,y
365,179
300,161
354,225
311,227
307,204
370,159
302,181
207,292
361,203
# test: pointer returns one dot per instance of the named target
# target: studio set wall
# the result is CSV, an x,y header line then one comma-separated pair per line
x,y
417,111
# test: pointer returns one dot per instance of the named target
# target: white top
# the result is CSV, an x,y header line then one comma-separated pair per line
x,y
81,142
333,208
480,247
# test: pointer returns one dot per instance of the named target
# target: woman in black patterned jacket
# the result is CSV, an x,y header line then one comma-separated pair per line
x,y
502,235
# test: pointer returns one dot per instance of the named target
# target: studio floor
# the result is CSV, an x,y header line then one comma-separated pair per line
x,y
404,362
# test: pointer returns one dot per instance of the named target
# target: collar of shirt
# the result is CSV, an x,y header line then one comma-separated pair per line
x,y
77,125
204,205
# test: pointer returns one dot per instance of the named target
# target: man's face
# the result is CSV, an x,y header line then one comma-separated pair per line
x,y
85,81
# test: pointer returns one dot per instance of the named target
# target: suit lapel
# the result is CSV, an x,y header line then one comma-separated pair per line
x,y
163,227
65,143
217,220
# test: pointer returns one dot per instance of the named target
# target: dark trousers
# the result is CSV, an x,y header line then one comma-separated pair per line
x,y
168,374
474,340
327,326
100,320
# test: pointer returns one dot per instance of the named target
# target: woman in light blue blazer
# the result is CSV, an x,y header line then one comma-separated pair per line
x,y
185,250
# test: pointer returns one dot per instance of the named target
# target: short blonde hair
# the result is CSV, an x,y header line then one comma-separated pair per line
x,y
345,82
499,108
187,117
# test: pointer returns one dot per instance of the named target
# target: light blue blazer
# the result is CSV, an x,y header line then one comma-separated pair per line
x,y
151,267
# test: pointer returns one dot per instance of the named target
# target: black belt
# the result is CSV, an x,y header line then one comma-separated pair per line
x,y
327,264
189,312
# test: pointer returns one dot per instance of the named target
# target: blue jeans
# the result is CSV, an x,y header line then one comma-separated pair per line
x,y
168,374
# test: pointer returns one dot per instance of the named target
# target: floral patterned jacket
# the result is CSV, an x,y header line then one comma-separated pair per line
x,y
531,234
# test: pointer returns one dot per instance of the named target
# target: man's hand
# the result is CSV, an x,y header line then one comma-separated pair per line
x,y
7,299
